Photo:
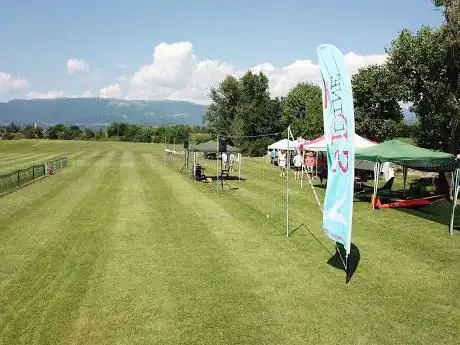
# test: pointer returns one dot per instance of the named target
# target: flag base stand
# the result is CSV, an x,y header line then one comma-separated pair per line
x,y
345,263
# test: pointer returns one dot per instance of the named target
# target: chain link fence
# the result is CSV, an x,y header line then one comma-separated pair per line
x,y
21,177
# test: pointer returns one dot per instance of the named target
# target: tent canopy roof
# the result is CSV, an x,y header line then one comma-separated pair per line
x,y
319,144
283,144
409,156
211,146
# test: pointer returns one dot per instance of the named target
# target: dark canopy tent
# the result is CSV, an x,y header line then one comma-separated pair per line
x,y
410,156
211,146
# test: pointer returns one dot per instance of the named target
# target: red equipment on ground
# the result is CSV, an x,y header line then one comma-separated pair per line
x,y
400,203
50,170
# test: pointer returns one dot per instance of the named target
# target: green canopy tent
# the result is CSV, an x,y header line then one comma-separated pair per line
x,y
409,156
212,146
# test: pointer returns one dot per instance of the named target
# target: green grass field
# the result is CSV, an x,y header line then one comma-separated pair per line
x,y
120,248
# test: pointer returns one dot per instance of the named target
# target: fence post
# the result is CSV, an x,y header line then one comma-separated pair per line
x,y
19,180
33,172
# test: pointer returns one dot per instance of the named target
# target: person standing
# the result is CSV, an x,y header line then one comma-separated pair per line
x,y
224,158
322,168
282,163
310,164
273,156
298,165
231,161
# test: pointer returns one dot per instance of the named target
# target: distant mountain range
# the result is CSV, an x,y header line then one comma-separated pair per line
x,y
99,112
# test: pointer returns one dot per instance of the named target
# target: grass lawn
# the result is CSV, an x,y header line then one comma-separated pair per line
x,y
120,248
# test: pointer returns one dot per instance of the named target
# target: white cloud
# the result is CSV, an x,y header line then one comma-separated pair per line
x,y
11,83
44,95
110,91
122,66
176,73
86,94
77,66
172,66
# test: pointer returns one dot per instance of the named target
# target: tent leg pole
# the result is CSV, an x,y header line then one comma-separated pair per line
x,y
454,199
316,163
301,176
405,180
288,165
194,163
346,269
239,166
376,182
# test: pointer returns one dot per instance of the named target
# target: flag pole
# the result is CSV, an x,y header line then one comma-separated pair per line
x,y
217,166
288,165
346,269
239,166
454,200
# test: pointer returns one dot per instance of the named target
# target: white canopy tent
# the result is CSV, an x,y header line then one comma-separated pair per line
x,y
319,144
299,141
283,144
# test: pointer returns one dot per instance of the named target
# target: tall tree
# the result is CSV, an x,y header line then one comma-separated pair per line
x,y
243,110
303,110
253,105
222,111
427,65
378,114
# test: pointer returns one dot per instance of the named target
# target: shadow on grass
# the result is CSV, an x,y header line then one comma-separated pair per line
x,y
326,249
257,213
336,260
438,211
226,178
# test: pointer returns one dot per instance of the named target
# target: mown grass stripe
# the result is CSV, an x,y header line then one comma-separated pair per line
x,y
38,194
202,273
26,161
64,259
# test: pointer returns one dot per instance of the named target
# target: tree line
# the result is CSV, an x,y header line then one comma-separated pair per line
x,y
117,131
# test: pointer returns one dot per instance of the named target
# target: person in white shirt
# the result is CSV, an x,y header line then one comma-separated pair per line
x,y
282,163
298,160
231,161
225,160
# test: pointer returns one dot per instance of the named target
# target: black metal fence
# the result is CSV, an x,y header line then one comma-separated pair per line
x,y
21,177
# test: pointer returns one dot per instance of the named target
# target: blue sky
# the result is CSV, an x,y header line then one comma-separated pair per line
x,y
117,38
